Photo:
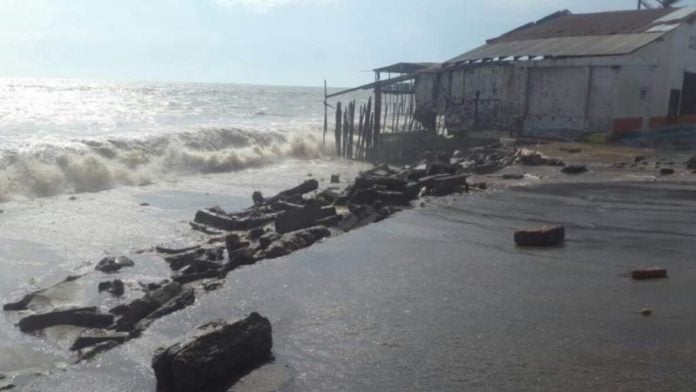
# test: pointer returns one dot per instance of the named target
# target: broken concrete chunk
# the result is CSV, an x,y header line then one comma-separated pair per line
x,y
542,236
176,247
113,264
649,273
80,317
114,287
93,337
216,220
301,218
667,171
215,356
574,169
295,241
446,185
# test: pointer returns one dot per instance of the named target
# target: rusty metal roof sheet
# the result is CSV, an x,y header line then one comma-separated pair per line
x,y
600,45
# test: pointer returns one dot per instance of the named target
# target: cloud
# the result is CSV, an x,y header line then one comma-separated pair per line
x,y
266,5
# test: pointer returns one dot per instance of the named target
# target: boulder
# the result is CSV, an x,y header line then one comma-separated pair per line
x,y
574,169
112,264
215,356
388,183
88,317
23,303
301,218
513,176
667,171
649,273
542,236
240,257
335,179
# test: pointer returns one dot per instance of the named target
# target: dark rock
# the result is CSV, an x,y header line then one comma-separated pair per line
x,y
388,183
513,176
23,303
144,204
216,220
330,221
93,337
335,179
542,236
174,248
666,171
114,287
372,196
91,352
140,308
639,159
305,187
255,233
691,163
649,273
257,198
282,205
301,218
205,229
200,255
296,240
232,242
441,168
185,298
112,264
266,239
239,258
646,312
574,169
213,285
428,181
446,185
184,277
487,168
80,317
361,216
216,356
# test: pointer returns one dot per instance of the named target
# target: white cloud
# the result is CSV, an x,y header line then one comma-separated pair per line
x,y
265,5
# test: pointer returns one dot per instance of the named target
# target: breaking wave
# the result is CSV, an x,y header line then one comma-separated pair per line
x,y
96,165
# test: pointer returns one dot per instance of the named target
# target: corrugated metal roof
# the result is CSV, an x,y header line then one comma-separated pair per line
x,y
405,67
563,34
600,45
565,24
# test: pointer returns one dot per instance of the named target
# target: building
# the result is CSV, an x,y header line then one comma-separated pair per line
x,y
569,74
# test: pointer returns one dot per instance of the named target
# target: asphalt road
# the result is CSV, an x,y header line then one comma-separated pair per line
x,y
440,299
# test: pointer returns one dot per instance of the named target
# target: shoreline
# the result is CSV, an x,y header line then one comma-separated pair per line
x,y
436,202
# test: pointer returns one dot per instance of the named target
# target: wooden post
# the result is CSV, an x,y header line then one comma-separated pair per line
x,y
339,119
377,117
326,114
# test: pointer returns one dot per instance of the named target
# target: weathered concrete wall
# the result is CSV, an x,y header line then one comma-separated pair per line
x,y
564,96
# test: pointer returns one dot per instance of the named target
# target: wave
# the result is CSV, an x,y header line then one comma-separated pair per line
x,y
97,165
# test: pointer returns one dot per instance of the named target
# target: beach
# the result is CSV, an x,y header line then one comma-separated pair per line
x,y
438,298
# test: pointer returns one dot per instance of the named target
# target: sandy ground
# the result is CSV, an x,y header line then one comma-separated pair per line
x,y
439,298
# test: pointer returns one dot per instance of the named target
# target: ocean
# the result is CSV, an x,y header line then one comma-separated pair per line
x,y
95,168
73,136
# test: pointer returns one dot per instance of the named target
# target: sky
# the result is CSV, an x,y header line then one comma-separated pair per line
x,y
279,42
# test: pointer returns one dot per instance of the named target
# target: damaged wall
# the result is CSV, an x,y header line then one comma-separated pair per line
x,y
565,97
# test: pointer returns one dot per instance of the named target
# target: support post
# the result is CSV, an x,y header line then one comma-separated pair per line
x,y
326,114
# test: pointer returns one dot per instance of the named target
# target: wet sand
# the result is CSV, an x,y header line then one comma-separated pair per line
x,y
440,299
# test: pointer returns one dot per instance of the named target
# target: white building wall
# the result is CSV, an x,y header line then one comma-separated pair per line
x,y
589,94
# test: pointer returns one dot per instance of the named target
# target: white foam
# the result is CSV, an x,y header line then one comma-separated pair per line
x,y
93,165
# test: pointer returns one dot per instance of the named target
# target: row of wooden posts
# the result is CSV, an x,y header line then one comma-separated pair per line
x,y
360,139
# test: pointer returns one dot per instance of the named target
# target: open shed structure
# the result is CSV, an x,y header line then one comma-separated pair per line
x,y
568,74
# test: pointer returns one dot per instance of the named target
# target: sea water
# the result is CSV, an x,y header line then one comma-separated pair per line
x,y
95,168
72,136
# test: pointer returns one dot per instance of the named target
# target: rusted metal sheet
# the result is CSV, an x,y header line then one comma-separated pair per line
x,y
602,45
